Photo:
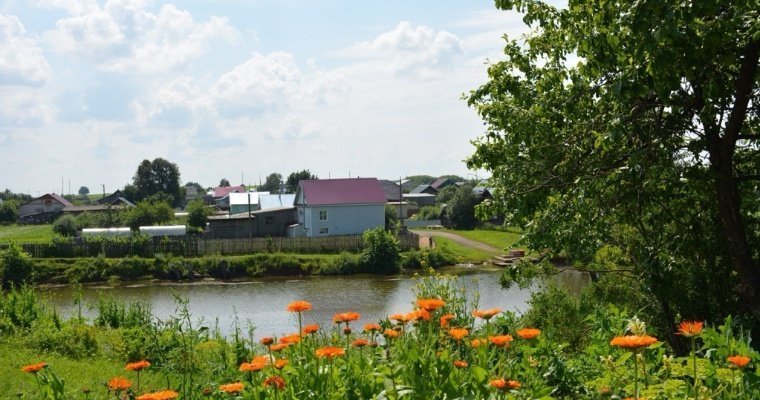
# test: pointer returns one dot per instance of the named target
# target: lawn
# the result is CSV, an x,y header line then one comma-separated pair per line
x,y
26,233
498,239
463,254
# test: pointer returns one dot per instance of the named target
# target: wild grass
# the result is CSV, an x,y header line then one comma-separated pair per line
x,y
26,233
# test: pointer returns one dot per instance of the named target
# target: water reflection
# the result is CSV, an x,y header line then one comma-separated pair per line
x,y
262,302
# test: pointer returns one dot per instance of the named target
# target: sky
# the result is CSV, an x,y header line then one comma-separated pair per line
x,y
239,89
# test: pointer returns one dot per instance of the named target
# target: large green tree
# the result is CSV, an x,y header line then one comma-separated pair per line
x,y
295,177
157,176
634,124
272,183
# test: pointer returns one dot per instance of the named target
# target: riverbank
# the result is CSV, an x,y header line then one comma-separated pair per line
x,y
166,267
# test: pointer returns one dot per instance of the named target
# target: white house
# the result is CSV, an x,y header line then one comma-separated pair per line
x,y
329,207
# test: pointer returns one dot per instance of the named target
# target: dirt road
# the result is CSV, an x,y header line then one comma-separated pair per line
x,y
426,235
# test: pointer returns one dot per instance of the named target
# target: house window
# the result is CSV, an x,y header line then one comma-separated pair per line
x,y
323,215
324,231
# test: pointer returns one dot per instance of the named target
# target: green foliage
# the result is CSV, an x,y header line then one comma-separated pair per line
x,y
84,191
445,195
65,225
461,208
391,217
70,339
197,214
381,253
20,308
272,183
344,264
15,266
224,182
9,211
158,176
147,213
115,314
295,177
630,146
428,213
416,180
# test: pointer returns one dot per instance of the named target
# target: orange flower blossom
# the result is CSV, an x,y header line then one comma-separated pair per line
x,y
119,383
528,333
162,395
500,340
346,317
236,387
430,304
458,333
739,360
329,352
299,306
690,328
372,327
446,319
276,381
138,366
633,342
309,329
460,364
34,368
486,314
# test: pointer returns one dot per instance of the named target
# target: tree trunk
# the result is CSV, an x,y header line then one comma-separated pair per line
x,y
722,150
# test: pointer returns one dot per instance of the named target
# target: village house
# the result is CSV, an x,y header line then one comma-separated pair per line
x,y
329,207
42,209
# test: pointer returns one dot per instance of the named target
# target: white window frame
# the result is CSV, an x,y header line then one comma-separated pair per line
x,y
320,215
324,231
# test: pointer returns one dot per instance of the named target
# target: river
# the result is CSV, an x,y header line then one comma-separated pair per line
x,y
262,302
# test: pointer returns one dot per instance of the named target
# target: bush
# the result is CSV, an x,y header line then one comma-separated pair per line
x,y
381,252
15,266
149,213
9,211
346,263
65,225
197,213
427,213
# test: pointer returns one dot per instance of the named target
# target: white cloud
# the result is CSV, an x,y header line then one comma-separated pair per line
x,y
22,61
407,48
124,36
21,105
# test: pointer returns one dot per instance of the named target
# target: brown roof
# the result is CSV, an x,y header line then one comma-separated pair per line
x,y
221,191
341,191
57,198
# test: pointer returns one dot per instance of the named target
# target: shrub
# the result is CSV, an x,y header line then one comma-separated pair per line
x,y
381,252
9,212
15,266
197,213
346,263
65,225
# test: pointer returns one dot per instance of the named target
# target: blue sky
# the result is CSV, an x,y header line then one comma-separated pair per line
x,y
239,87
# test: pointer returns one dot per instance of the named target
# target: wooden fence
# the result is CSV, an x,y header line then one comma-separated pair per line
x,y
198,246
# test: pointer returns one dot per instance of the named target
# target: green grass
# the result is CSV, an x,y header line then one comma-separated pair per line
x,y
498,239
26,233
463,254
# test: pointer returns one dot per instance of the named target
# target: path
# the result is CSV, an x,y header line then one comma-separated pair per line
x,y
425,240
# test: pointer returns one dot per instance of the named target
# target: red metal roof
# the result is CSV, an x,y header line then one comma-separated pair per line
x,y
57,198
342,191
221,191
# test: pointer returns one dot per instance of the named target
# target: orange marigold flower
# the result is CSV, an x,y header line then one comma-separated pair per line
x,y
119,383
360,342
486,314
236,387
309,329
329,352
739,360
256,365
281,363
138,366
504,384
346,317
458,333
267,340
372,327
500,340
430,304
528,333
398,318
162,395
391,334
418,315
276,381
477,342
690,328
299,306
633,342
278,346
460,364
446,319
34,368
290,339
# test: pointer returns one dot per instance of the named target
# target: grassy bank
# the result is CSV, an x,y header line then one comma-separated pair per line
x,y
26,233
498,239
